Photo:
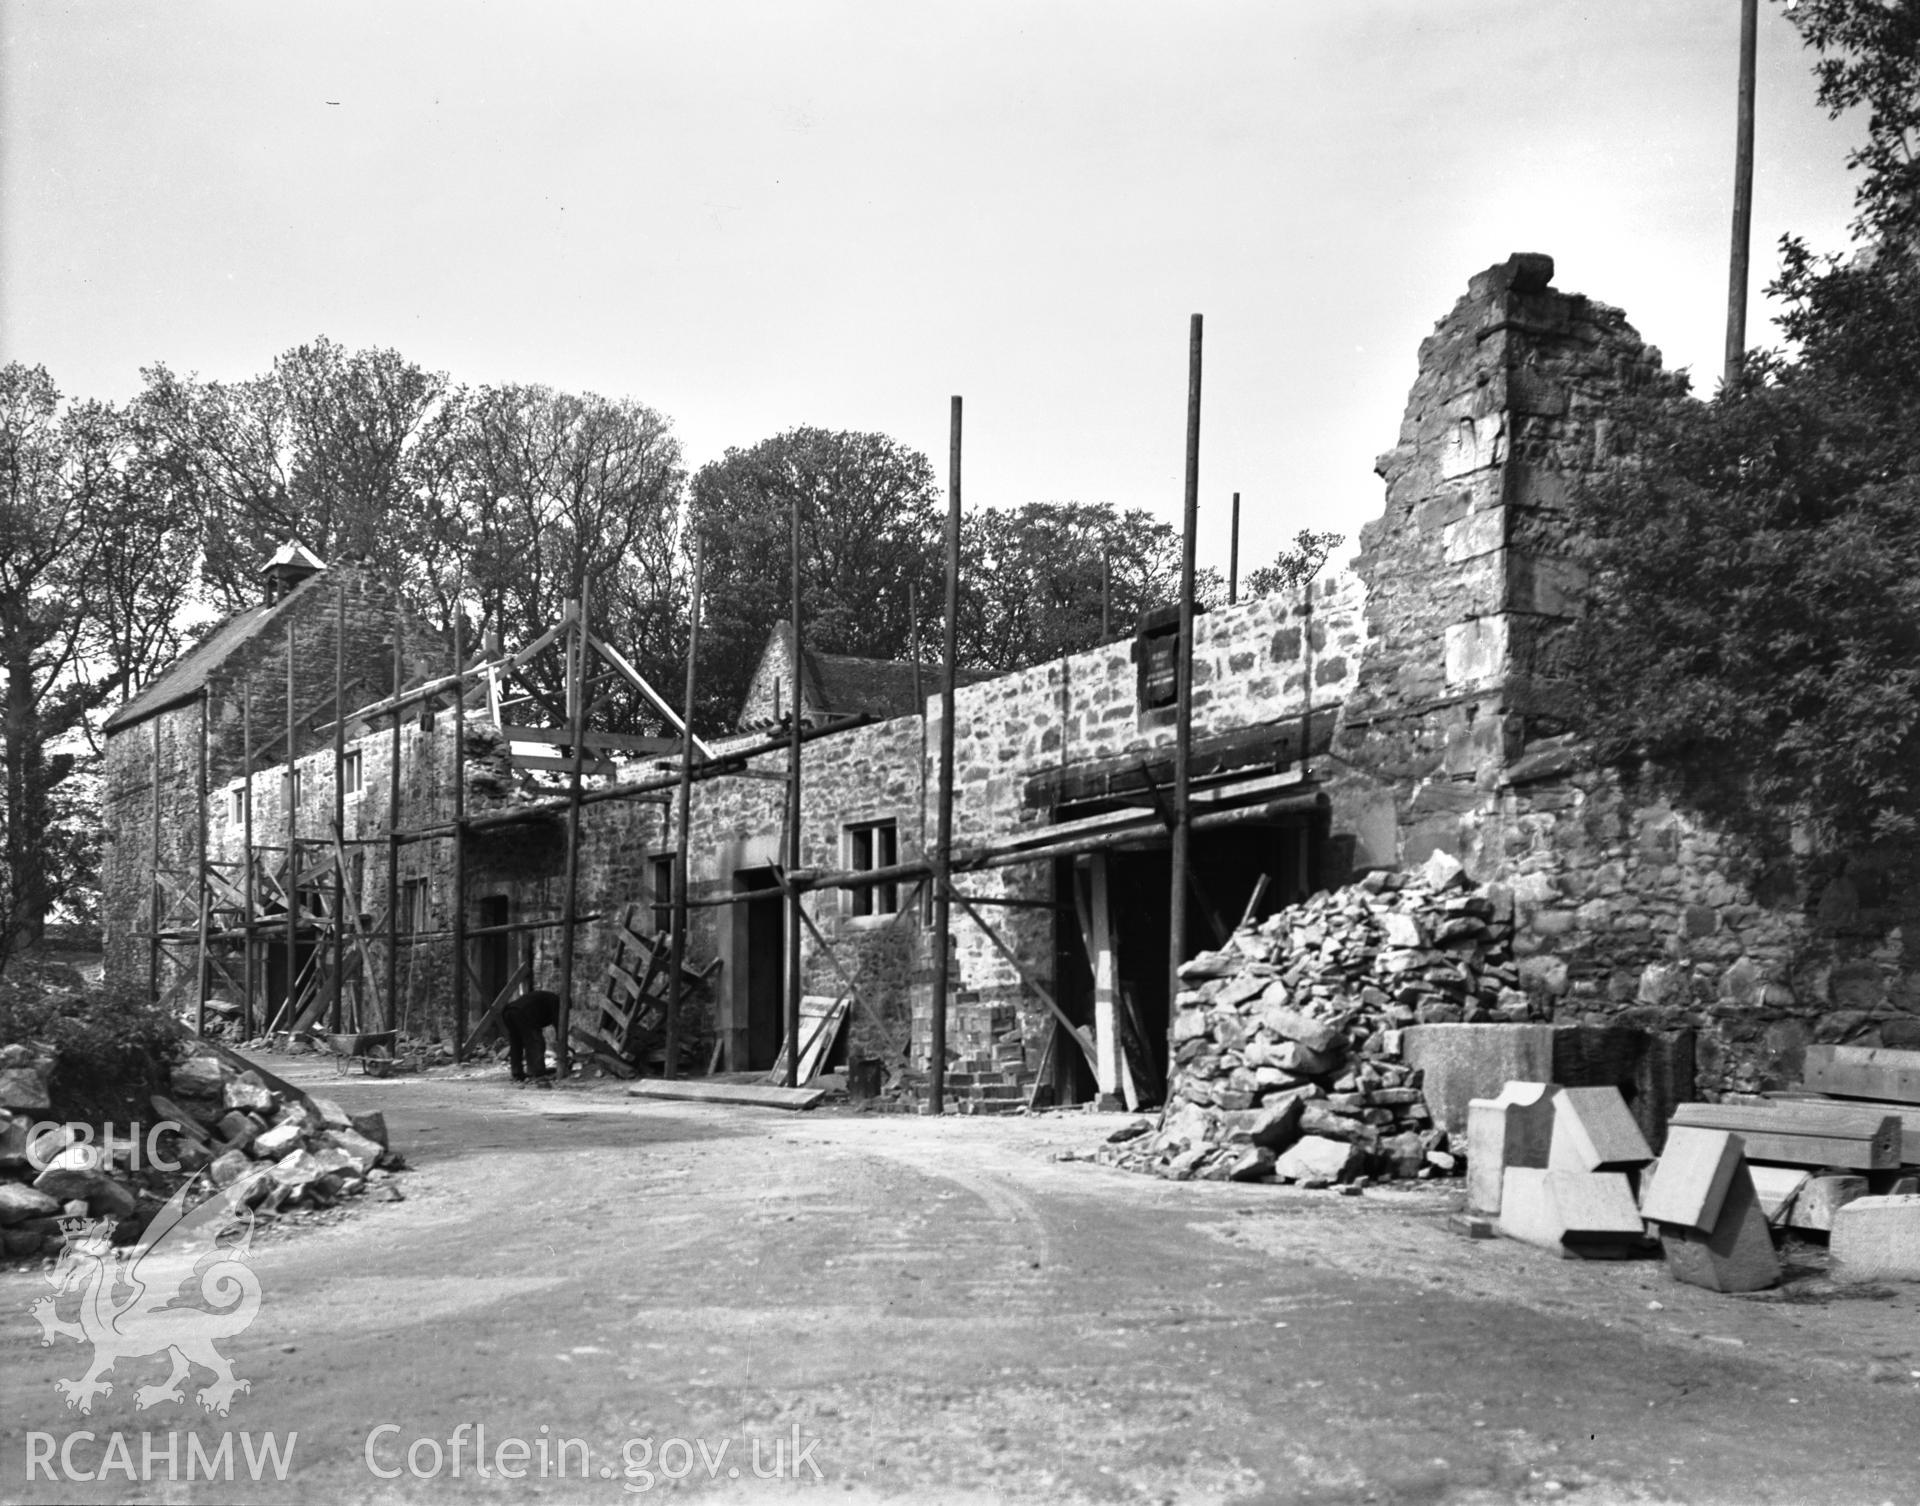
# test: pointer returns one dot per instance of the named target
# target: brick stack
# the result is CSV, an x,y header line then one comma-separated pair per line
x,y
1287,1045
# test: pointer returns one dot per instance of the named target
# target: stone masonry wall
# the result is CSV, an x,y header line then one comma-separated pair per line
x,y
310,613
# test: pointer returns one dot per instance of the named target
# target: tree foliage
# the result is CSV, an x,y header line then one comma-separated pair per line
x,y
1755,618
869,530
1037,581
61,510
1296,566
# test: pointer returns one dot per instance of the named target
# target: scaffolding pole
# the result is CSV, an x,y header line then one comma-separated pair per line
x,y
1181,854
339,801
943,831
794,981
459,832
391,1015
206,898
570,897
292,890
671,1061
246,842
153,898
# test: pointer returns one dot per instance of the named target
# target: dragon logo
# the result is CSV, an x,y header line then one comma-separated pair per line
x,y
139,1301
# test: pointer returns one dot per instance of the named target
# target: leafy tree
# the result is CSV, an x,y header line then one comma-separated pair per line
x,y
1755,618
346,451
1036,580
870,521
1295,567
56,477
556,493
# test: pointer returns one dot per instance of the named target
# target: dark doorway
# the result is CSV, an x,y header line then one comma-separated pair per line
x,y
1227,867
493,953
766,960
276,996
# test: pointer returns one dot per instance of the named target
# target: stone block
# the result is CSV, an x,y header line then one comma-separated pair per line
x,y
71,1174
248,1094
229,1168
200,1077
19,1202
374,1126
1573,1213
110,1199
277,1142
1821,1199
1736,1255
331,1115
1316,1156
1254,1165
1877,1239
1691,1181
1464,1062
23,1090
1513,1129
1592,1131
13,1140
1777,1187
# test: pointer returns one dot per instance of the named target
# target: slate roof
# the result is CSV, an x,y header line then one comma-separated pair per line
x,y
881,688
188,675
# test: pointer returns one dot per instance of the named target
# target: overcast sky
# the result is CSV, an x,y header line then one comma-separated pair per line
x,y
756,215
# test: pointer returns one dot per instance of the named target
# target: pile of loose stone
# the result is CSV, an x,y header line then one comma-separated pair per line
x,y
1287,1041
299,1151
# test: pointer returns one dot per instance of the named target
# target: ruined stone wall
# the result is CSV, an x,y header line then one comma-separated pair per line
x,y
1631,907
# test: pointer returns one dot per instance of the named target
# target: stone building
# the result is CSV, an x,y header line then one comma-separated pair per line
x,y
191,727
1408,706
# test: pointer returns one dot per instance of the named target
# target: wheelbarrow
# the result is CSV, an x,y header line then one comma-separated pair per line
x,y
372,1049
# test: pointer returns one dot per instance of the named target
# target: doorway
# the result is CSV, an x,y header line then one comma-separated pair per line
x,y
492,953
1227,867
764,993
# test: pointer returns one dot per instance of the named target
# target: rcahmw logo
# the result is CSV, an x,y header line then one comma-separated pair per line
x,y
183,1288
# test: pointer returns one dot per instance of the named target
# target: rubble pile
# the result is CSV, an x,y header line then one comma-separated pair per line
x,y
232,1122
1287,1041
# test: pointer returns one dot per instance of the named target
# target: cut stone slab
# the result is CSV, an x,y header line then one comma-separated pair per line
x,y
1513,1129
1863,1072
1592,1131
1691,1181
1877,1239
1315,1156
1805,1133
1821,1199
1460,1063
1777,1187
1736,1255
1572,1213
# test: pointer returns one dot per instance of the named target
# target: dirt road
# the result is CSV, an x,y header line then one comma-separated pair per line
x,y
695,1297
